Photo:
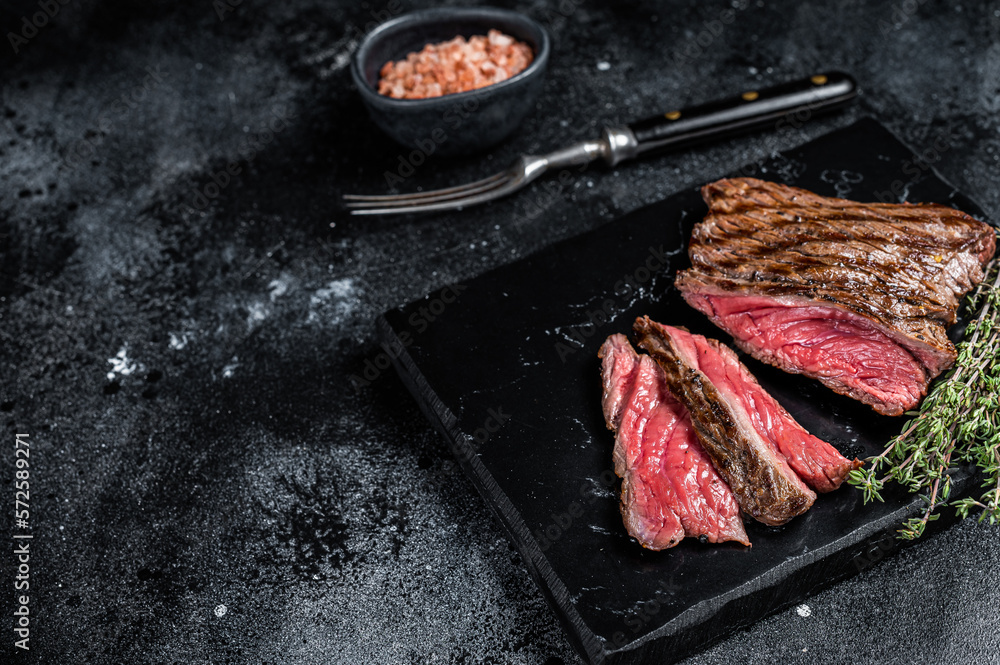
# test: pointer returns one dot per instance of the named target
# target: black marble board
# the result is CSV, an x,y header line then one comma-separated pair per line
x,y
506,367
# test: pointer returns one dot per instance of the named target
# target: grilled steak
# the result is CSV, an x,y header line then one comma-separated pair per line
x,y
855,295
669,487
720,394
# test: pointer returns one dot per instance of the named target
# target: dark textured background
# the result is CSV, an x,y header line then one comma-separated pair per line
x,y
183,373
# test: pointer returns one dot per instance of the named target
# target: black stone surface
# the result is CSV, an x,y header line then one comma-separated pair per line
x,y
506,366
228,462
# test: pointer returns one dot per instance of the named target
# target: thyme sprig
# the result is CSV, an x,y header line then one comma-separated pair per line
x,y
958,422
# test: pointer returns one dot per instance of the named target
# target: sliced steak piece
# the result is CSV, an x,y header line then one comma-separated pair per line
x,y
841,349
815,461
719,394
856,295
669,487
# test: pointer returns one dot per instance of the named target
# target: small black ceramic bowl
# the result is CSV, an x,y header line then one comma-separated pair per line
x,y
463,122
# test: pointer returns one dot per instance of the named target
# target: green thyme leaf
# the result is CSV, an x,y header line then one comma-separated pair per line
x,y
958,421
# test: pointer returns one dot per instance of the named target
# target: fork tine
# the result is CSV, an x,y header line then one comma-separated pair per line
x,y
435,193
452,203
432,197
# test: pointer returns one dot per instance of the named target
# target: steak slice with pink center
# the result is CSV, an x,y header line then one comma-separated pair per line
x,y
670,488
739,425
843,351
815,461
855,295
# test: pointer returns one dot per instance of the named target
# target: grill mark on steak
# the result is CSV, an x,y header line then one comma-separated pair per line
x,y
930,281
669,487
758,473
897,269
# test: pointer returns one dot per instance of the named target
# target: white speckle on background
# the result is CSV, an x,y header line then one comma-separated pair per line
x,y
180,342
279,287
256,312
803,610
230,369
603,66
340,60
121,364
338,56
337,297
220,610
341,288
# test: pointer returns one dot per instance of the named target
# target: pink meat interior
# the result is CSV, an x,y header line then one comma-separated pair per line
x,y
813,460
670,487
825,342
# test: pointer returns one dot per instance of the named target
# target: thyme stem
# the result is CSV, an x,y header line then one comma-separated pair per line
x,y
957,420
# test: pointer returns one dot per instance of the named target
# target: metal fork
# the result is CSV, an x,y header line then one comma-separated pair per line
x,y
614,146
792,103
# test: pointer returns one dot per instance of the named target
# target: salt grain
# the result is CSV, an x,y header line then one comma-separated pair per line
x,y
454,66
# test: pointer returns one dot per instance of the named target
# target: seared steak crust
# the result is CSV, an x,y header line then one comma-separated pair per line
x,y
764,484
899,269
669,487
